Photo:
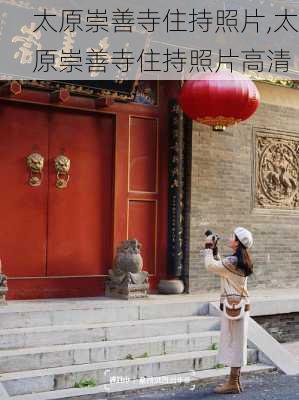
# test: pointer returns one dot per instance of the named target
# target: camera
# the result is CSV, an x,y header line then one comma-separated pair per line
x,y
213,236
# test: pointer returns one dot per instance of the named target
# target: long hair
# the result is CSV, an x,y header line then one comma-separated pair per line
x,y
244,258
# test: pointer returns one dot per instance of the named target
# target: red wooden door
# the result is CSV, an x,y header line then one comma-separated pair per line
x,y
80,215
23,208
56,236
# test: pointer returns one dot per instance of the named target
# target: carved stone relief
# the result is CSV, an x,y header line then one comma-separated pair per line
x,y
277,171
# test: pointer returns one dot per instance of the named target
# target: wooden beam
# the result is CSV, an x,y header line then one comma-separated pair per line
x,y
101,102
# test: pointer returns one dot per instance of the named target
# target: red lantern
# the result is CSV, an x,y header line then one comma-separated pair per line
x,y
219,99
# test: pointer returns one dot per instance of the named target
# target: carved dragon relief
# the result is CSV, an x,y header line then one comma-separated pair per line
x,y
277,172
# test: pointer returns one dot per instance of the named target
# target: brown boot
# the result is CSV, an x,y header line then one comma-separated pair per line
x,y
232,386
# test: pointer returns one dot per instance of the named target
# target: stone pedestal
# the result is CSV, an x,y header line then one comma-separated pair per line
x,y
128,285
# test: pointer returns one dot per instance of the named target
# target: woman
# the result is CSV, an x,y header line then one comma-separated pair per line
x,y
233,271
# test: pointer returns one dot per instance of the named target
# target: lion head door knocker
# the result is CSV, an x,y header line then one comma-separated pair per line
x,y
35,164
62,166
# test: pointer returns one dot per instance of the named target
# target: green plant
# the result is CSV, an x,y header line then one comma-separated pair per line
x,y
214,346
144,354
219,366
85,383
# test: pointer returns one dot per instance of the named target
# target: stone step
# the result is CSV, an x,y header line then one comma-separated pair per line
x,y
113,389
44,380
20,314
83,333
95,352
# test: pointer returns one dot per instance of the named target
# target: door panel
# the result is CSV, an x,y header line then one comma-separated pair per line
x,y
142,224
23,208
143,154
80,215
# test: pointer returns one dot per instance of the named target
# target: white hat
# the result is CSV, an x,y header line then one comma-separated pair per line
x,y
244,236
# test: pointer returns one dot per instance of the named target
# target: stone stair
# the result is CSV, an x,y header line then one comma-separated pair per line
x,y
47,349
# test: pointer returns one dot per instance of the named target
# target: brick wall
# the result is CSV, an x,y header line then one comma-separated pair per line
x,y
221,197
283,327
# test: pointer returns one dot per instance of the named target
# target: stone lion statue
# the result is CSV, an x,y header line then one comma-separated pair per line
x,y
128,257
126,279
3,288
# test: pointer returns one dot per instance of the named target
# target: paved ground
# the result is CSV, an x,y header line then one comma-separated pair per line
x,y
262,386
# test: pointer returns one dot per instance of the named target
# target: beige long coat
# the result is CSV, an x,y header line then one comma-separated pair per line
x,y
233,334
